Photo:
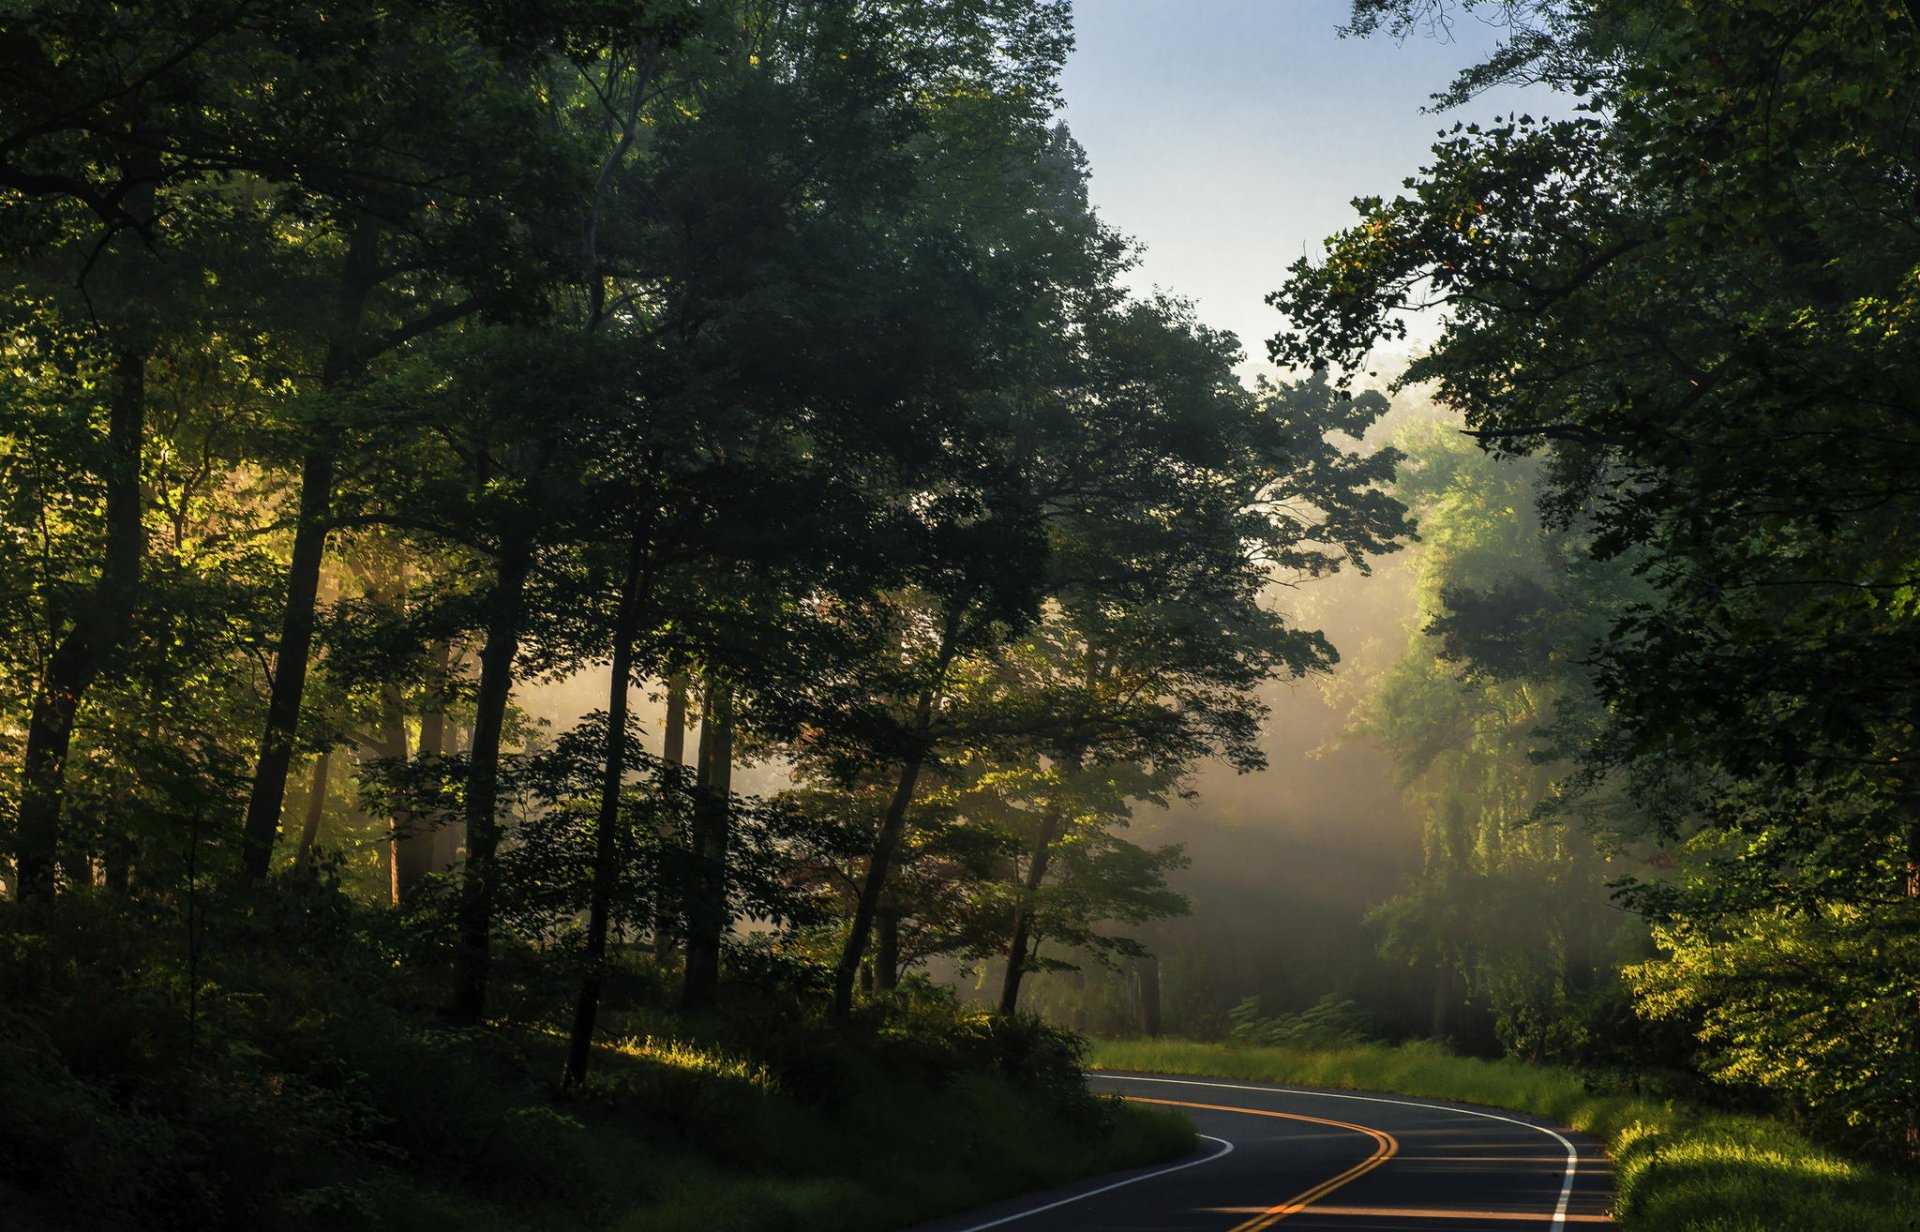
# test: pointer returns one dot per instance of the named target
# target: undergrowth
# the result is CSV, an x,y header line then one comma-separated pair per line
x,y
286,1066
1678,1167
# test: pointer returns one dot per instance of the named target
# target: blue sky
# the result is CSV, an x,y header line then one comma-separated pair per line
x,y
1228,136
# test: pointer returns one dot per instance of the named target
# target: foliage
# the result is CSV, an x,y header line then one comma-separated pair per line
x,y
1688,298
1490,693
1815,1008
363,367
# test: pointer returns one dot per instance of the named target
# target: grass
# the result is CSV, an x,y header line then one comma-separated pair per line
x,y
895,1155
880,1143
1678,1167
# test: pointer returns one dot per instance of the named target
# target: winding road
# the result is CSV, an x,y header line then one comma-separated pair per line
x,y
1327,1161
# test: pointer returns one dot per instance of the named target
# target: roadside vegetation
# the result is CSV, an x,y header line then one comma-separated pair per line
x,y
759,371
1678,1166
316,1087
761,375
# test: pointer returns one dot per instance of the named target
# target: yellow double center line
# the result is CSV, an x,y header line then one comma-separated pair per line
x,y
1385,1147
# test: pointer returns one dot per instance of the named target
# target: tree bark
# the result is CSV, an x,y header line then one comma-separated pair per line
x,y
880,862
102,623
706,910
606,849
1023,914
1052,825
886,952
473,954
98,629
316,805
1148,970
433,746
343,362
409,830
673,751
673,740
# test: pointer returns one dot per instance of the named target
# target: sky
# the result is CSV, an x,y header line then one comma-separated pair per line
x,y
1229,136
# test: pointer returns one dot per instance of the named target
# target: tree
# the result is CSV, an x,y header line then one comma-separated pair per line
x,y
1691,298
1489,699
452,139
1162,637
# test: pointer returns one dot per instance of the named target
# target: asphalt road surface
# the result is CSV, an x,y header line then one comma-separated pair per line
x,y
1327,1161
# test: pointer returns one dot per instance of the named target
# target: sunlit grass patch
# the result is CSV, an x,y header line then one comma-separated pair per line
x,y
1678,1168
692,1058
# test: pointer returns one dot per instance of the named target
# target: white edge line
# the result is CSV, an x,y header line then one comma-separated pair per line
x,y
1226,1148
1573,1156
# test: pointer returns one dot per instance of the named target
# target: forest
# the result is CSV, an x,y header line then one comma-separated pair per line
x,y
617,613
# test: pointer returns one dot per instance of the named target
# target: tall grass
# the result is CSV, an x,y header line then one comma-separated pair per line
x,y
1678,1167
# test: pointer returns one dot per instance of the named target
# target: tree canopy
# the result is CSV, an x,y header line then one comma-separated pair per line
x,y
1690,298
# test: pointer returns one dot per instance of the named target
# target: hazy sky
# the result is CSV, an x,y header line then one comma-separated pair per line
x,y
1228,136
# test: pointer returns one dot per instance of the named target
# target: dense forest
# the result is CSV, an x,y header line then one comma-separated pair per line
x,y
761,370
368,366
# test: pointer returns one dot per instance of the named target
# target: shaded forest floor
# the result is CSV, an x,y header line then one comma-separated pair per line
x,y
1678,1167
285,1064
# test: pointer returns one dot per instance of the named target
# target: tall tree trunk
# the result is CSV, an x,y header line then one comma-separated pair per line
x,y
342,363
886,951
1912,888
673,739
880,862
316,807
410,829
673,751
1148,970
99,627
886,842
707,917
1024,910
103,621
1052,826
606,848
475,912
433,746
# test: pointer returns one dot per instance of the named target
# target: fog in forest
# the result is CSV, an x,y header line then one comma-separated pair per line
x,y
1284,863
694,614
